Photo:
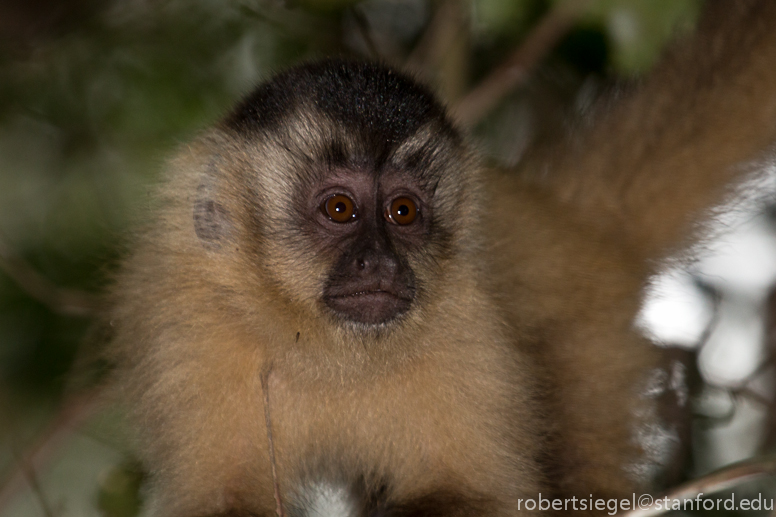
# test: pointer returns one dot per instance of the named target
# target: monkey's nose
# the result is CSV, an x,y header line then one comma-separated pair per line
x,y
367,261
375,261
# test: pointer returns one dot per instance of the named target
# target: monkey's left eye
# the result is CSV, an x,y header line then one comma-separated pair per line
x,y
339,208
402,211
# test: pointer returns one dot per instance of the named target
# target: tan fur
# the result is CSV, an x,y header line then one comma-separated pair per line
x,y
604,211
432,402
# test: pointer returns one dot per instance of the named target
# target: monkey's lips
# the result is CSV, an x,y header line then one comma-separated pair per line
x,y
369,306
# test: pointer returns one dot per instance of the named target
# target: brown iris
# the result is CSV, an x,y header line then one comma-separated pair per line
x,y
402,211
340,208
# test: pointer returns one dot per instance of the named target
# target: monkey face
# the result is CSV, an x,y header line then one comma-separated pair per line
x,y
370,220
354,191
361,240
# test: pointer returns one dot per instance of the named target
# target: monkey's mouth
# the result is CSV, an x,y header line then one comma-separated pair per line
x,y
370,306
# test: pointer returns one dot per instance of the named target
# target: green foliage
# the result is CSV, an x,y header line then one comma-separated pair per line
x,y
639,29
119,491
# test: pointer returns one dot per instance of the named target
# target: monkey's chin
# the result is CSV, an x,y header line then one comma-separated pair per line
x,y
369,307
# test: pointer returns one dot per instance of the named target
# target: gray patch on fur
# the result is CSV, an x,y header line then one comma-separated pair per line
x,y
212,223
656,383
679,383
659,445
658,442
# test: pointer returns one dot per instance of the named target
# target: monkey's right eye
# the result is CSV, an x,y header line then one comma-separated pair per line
x,y
339,208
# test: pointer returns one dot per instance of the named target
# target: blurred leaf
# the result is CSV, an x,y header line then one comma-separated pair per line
x,y
119,491
504,17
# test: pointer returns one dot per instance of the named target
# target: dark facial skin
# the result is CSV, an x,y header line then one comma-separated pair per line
x,y
370,221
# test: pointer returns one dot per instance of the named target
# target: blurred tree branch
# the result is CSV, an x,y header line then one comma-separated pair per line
x,y
724,479
365,31
441,55
515,69
69,302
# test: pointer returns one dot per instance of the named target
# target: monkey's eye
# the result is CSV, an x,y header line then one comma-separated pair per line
x,y
402,211
339,208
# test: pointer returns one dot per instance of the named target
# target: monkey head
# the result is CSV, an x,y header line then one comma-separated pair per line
x,y
347,186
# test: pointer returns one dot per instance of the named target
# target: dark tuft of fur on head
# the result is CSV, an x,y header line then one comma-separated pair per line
x,y
368,98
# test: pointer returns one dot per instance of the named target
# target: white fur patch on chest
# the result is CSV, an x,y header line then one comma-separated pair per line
x,y
325,500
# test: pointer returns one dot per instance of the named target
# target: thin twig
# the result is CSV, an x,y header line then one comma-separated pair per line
x,y
751,395
723,479
62,301
270,442
69,418
514,70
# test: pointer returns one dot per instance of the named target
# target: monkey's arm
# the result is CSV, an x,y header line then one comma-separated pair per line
x,y
662,155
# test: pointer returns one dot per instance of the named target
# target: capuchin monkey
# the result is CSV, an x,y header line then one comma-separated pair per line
x,y
336,312
305,327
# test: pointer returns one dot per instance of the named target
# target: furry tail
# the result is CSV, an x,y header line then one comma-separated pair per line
x,y
660,157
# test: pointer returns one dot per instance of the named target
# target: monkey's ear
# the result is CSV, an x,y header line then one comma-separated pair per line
x,y
212,222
